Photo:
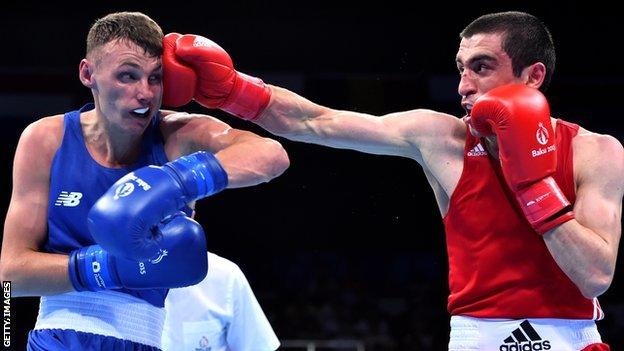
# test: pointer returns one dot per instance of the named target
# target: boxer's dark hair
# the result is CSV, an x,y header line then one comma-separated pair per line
x,y
525,39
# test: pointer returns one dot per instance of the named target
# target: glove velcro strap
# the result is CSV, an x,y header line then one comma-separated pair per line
x,y
200,174
74,271
89,270
249,97
541,202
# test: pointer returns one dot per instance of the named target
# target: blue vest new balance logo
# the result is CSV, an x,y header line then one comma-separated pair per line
x,y
68,199
525,338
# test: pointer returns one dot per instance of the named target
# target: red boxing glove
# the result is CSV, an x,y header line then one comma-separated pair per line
x,y
179,80
519,116
219,85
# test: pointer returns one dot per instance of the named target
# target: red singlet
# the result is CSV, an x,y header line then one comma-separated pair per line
x,y
499,267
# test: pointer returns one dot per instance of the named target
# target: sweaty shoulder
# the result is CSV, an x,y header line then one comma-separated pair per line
x,y
172,121
431,122
426,126
35,151
597,156
433,132
184,132
43,137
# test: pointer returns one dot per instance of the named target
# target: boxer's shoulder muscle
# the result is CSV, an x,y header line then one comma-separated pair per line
x,y
39,142
185,133
596,157
431,130
26,219
418,134
440,139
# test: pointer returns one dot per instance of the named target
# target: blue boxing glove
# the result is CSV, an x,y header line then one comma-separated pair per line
x,y
180,262
125,219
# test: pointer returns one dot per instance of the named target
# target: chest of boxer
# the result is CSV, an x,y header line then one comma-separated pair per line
x,y
77,182
499,267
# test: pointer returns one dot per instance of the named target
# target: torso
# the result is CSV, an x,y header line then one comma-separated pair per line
x,y
77,180
488,238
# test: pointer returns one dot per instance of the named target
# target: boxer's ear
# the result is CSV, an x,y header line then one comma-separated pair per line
x,y
85,73
533,75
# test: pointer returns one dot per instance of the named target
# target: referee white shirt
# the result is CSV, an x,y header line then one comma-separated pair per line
x,y
218,314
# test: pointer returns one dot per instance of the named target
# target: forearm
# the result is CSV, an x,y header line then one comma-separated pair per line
x,y
296,118
290,115
37,274
584,256
252,160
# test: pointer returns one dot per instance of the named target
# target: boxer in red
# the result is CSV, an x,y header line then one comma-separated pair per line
x,y
531,204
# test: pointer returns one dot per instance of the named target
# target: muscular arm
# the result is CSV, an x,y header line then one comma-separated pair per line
x,y
586,247
32,272
284,113
247,158
410,134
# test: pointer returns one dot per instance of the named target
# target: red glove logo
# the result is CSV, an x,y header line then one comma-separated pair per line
x,y
542,134
203,42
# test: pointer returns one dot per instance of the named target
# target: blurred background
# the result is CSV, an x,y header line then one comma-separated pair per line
x,y
343,245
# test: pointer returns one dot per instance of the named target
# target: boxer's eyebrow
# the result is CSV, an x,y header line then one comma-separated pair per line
x,y
131,64
476,59
137,66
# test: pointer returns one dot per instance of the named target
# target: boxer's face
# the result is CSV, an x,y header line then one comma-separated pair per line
x,y
483,65
126,84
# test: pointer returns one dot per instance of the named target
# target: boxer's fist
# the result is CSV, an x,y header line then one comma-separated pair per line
x,y
180,262
124,220
179,80
219,85
519,116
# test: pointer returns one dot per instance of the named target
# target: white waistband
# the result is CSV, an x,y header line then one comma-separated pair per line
x,y
108,313
468,333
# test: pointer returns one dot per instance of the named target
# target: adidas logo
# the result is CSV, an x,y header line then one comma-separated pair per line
x,y
524,338
478,150
68,199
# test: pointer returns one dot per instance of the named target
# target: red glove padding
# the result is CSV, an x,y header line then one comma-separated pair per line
x,y
519,116
179,80
218,85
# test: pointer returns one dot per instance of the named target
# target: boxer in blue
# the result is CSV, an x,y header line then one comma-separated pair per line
x,y
95,225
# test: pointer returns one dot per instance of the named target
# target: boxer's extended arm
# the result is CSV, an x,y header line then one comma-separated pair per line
x,y
216,84
586,247
411,134
247,158
33,273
